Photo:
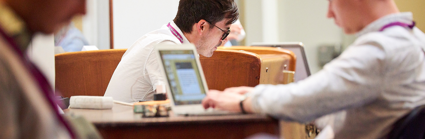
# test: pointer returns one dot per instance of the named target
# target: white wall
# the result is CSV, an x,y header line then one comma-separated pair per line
x,y
271,21
96,23
305,21
41,52
134,18
253,24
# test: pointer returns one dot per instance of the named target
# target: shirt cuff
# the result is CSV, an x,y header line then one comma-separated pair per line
x,y
254,95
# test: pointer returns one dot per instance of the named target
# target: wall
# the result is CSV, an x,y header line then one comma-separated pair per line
x,y
41,52
417,7
252,22
134,18
96,23
303,21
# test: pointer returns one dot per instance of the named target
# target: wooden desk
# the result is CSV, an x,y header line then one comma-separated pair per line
x,y
121,122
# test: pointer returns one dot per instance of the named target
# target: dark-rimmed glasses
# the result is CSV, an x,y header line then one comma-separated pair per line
x,y
225,34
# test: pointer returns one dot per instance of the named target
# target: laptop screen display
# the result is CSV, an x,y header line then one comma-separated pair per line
x,y
183,76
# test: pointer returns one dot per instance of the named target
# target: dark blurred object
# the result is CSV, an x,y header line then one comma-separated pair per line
x,y
159,96
411,126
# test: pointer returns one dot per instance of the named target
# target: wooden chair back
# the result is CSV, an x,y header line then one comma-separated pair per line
x,y
267,51
229,68
245,67
86,72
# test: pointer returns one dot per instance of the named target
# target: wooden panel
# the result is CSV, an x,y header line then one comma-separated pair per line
x,y
86,73
230,68
111,23
267,50
190,131
271,67
121,122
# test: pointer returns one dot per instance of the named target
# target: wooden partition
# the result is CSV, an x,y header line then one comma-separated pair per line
x,y
227,68
86,73
265,51
232,67
89,73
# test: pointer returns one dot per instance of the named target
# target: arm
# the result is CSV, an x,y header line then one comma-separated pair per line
x,y
352,80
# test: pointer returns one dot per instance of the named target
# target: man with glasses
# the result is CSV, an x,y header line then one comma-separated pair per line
x,y
205,23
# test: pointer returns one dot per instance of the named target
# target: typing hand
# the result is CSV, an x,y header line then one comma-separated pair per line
x,y
222,100
239,90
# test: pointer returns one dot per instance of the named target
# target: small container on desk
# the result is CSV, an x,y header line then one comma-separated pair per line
x,y
152,108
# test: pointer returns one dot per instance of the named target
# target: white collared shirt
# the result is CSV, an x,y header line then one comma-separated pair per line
x,y
376,81
138,72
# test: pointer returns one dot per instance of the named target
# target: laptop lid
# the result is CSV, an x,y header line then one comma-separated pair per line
x,y
186,85
302,70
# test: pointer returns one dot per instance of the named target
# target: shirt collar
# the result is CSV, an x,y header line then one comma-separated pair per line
x,y
179,31
378,24
14,27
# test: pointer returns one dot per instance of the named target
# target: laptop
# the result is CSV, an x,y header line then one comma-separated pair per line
x,y
302,70
186,86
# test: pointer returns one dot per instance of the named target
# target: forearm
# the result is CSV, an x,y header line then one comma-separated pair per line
x,y
310,99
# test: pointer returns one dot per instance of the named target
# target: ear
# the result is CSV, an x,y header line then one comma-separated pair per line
x,y
201,26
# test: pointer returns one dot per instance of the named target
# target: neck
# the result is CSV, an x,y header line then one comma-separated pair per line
x,y
191,37
379,9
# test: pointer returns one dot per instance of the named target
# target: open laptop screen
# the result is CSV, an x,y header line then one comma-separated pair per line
x,y
183,76
302,70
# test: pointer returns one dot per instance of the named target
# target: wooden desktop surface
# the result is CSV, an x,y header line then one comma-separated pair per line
x,y
121,122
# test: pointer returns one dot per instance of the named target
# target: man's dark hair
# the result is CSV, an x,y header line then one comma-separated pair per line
x,y
213,11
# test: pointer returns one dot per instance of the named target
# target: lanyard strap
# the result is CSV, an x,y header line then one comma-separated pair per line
x,y
46,89
398,24
175,33
411,26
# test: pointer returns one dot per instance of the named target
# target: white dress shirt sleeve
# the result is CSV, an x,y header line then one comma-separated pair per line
x,y
353,79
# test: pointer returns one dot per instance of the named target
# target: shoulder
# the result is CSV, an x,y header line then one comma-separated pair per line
x,y
395,47
144,46
392,39
153,38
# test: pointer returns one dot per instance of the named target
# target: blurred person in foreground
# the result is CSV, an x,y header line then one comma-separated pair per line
x,y
207,27
27,105
376,81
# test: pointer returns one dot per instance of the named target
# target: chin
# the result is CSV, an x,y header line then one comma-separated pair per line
x,y
208,55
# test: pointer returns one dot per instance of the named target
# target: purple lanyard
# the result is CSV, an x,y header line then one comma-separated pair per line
x,y
398,24
175,33
41,80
